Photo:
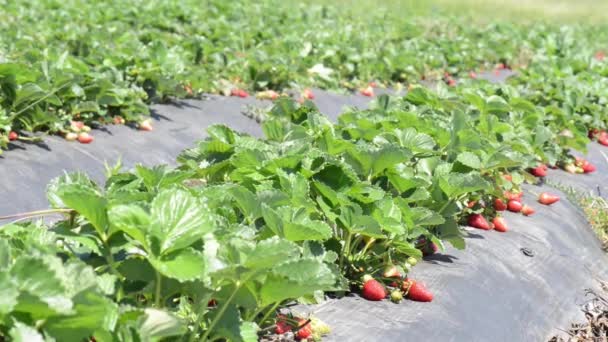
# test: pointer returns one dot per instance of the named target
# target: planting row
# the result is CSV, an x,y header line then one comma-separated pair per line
x,y
214,248
101,63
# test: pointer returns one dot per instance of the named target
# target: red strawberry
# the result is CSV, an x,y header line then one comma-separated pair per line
x,y
514,206
478,221
307,94
431,248
369,91
451,82
600,55
426,247
500,66
12,136
603,140
593,132
499,224
539,171
499,205
372,289
514,196
527,210
373,84
547,199
305,329
146,125
212,303
416,291
588,167
391,271
85,138
282,326
471,204
472,75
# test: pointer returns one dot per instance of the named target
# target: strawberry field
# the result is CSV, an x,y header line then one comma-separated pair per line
x,y
277,171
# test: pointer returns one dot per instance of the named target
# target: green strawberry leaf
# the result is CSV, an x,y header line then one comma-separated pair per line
x,y
184,265
87,203
156,324
456,184
179,219
469,159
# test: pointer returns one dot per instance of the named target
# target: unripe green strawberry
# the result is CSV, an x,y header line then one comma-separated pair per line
x,y
412,261
396,296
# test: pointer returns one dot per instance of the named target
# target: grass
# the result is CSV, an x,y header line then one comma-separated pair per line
x,y
487,11
582,11
595,209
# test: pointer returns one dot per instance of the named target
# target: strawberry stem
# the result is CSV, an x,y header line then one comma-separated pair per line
x,y
22,138
157,293
36,213
220,313
272,309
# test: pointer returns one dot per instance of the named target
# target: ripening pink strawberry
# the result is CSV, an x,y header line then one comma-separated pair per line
x,y
307,94
71,136
118,120
146,125
239,93
368,91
